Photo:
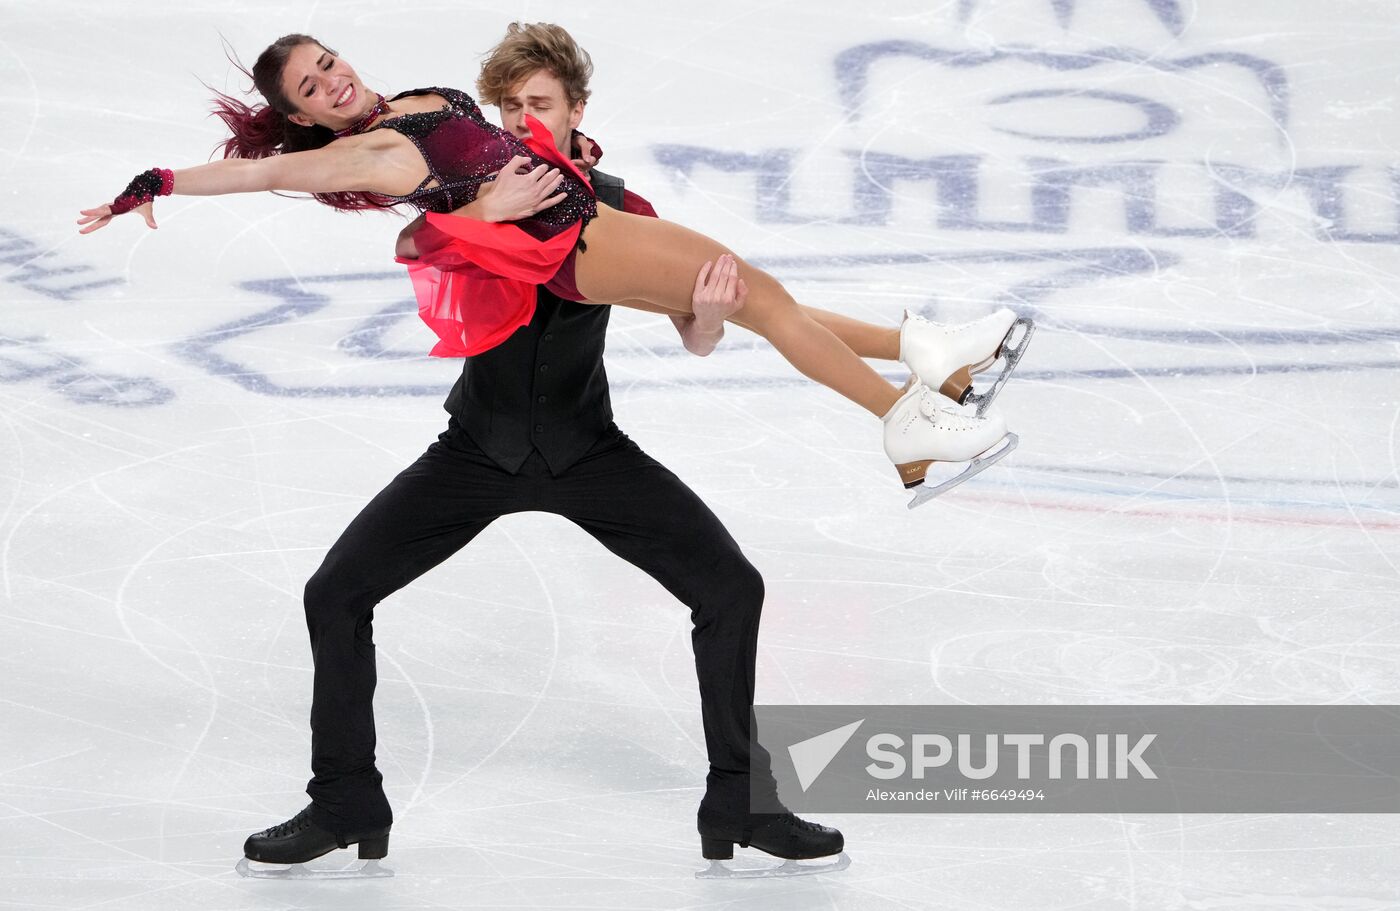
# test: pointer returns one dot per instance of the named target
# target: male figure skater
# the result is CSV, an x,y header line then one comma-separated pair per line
x,y
531,429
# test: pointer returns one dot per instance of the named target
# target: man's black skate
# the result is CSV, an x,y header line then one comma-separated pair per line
x,y
299,840
780,834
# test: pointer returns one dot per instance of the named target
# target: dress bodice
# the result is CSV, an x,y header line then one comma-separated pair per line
x,y
463,150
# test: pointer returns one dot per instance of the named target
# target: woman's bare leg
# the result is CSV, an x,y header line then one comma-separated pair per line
x,y
632,257
865,339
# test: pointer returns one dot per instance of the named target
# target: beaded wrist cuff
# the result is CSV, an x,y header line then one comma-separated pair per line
x,y
143,188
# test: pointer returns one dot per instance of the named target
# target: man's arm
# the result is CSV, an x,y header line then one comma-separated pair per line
x,y
719,292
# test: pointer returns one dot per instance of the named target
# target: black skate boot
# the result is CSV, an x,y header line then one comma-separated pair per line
x,y
299,840
780,834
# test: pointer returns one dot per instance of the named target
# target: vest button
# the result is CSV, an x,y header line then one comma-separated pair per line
x,y
539,428
549,336
542,399
544,368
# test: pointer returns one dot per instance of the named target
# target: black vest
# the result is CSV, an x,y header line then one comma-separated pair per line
x,y
544,387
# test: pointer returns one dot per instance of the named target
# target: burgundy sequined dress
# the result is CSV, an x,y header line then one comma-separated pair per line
x,y
475,280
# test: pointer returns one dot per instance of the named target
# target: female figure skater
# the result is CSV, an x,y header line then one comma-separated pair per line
x,y
523,216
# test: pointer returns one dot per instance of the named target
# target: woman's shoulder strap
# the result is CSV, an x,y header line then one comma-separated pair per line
x,y
411,92
422,122
460,100
455,97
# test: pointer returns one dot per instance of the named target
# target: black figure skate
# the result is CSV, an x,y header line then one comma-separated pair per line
x,y
779,834
291,844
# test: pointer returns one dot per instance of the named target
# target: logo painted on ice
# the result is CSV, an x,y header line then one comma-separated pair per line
x,y
1053,185
1168,12
28,358
35,269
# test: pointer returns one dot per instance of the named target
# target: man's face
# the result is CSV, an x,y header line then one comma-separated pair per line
x,y
542,96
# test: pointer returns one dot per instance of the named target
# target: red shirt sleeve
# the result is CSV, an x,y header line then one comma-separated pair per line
x,y
631,202
636,205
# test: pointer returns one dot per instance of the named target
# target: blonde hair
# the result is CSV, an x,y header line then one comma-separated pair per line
x,y
525,50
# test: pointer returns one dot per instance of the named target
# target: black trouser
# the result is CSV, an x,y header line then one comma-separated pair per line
x,y
621,496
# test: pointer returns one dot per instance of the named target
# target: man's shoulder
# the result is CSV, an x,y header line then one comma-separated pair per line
x,y
611,191
600,179
607,188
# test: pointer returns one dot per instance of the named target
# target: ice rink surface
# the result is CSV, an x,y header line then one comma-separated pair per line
x,y
1196,201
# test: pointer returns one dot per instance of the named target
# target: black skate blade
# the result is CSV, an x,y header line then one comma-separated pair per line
x,y
1011,355
746,868
926,491
369,869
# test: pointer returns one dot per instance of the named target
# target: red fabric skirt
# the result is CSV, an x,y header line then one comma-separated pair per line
x,y
475,280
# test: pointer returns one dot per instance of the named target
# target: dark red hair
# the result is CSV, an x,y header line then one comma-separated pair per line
x,y
262,130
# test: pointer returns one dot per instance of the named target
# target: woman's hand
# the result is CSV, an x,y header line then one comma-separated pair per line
x,y
517,192
719,294
100,216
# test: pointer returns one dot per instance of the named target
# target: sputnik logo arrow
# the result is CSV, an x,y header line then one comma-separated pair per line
x,y
810,757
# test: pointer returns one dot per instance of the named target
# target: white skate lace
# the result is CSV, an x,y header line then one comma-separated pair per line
x,y
962,327
934,412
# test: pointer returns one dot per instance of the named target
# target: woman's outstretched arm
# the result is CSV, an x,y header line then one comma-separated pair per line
x,y
335,168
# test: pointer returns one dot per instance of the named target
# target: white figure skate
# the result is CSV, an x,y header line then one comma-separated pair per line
x,y
922,428
945,357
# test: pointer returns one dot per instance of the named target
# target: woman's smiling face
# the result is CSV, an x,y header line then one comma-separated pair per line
x,y
325,89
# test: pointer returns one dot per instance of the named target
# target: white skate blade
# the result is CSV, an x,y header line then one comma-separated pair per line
x,y
1011,354
370,869
925,492
745,868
